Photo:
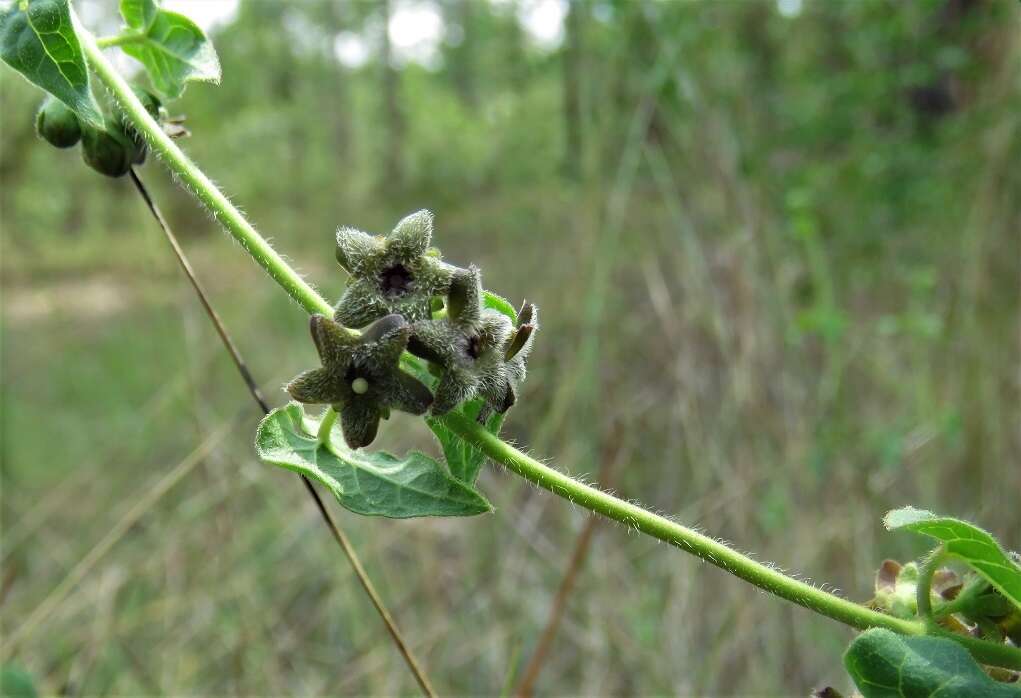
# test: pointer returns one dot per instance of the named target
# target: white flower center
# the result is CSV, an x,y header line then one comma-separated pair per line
x,y
360,386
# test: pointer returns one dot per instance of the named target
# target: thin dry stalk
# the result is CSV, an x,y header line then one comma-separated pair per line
x,y
253,389
581,547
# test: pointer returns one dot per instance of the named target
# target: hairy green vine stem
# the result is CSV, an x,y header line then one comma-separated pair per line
x,y
708,549
664,529
201,186
338,535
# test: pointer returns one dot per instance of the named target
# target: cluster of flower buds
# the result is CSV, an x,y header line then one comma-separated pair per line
x,y
407,298
111,150
978,608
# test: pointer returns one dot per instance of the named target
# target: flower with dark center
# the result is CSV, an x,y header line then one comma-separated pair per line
x,y
397,273
468,345
360,376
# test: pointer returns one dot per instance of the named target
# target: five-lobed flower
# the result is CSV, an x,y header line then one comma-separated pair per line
x,y
468,346
397,273
360,376
477,352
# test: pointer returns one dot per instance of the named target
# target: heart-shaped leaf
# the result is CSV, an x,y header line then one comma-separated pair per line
x,y
172,48
886,665
369,483
966,542
38,39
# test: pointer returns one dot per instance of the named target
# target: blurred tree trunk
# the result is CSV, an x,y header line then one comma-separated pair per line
x,y
393,117
572,71
337,17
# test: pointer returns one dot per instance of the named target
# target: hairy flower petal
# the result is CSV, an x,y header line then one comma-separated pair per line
x,y
332,341
411,236
356,250
398,273
359,421
408,394
360,304
317,387
455,386
464,300
361,376
388,338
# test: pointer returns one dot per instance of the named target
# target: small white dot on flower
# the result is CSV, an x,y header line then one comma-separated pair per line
x,y
360,386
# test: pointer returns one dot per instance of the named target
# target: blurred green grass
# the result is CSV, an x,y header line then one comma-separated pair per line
x,y
778,299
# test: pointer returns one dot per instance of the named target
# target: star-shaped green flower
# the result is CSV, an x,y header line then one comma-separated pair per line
x,y
393,274
360,376
468,345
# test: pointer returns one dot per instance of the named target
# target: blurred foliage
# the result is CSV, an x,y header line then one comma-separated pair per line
x,y
797,242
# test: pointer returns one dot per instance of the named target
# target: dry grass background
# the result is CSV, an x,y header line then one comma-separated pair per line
x,y
672,350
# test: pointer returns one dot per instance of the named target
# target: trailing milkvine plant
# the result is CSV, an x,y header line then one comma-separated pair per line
x,y
417,334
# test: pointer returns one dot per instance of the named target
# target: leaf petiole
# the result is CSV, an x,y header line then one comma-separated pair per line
x,y
326,426
924,588
965,600
119,39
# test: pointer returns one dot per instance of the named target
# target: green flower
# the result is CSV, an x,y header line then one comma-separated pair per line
x,y
360,376
469,346
393,274
57,124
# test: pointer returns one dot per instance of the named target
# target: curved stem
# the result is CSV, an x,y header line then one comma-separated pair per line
x,y
965,599
923,590
201,186
200,292
253,388
710,550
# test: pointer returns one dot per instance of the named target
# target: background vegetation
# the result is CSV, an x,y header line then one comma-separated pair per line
x,y
797,228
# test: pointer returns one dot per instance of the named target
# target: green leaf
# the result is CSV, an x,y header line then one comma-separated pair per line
x,y
369,483
884,664
38,39
966,542
139,14
499,303
464,460
172,48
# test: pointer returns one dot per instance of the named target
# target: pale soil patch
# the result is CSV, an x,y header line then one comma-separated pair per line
x,y
94,297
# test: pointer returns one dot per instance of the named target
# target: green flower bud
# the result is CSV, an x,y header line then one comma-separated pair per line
x,y
151,102
57,124
154,106
896,589
108,152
